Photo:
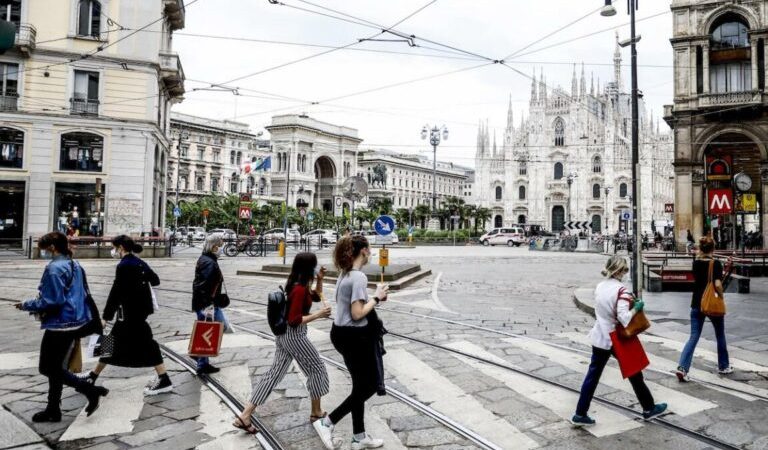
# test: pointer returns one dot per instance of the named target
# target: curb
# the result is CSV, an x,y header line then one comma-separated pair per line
x,y
583,306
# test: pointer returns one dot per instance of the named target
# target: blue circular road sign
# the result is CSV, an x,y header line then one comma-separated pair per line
x,y
177,212
384,225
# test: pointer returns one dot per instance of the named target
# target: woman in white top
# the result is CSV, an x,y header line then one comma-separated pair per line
x,y
612,305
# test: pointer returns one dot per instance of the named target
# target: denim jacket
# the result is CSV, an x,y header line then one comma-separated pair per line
x,y
61,296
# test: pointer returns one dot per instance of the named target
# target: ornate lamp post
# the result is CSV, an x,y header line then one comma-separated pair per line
x,y
571,176
606,189
434,140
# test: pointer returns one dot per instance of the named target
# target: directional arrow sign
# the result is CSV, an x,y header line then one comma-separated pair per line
x,y
384,225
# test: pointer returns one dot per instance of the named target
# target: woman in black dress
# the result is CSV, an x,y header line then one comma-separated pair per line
x,y
130,303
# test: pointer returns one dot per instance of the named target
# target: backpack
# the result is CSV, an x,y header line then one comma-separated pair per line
x,y
277,311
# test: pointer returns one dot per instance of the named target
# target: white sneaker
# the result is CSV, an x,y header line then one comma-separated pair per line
x,y
367,442
325,433
727,371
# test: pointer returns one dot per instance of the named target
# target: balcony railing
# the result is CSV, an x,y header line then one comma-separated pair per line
x,y
84,106
26,36
729,99
9,102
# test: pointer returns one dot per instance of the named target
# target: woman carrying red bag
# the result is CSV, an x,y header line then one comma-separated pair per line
x,y
612,307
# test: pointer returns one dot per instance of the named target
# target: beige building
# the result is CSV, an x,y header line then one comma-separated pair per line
x,y
85,112
719,114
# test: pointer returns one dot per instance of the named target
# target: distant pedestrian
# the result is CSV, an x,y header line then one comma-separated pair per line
x,y
356,335
207,291
701,279
61,307
690,241
251,230
130,304
612,306
294,343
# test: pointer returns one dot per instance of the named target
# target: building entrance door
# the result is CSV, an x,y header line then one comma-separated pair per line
x,y
11,213
558,218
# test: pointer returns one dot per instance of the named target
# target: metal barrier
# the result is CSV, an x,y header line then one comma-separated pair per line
x,y
101,247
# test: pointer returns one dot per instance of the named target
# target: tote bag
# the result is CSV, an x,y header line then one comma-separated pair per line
x,y
712,304
630,354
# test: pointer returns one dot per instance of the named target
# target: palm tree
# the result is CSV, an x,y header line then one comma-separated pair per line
x,y
468,213
364,215
402,217
420,213
381,205
482,215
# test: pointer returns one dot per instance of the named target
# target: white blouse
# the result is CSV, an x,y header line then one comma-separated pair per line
x,y
606,311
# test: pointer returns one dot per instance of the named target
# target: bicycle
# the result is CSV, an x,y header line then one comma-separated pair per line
x,y
247,246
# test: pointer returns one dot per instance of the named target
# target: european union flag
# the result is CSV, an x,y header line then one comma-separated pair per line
x,y
267,163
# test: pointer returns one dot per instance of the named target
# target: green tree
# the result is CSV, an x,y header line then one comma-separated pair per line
x,y
402,217
381,205
482,215
421,213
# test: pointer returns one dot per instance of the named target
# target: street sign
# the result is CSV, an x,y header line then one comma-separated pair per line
x,y
384,225
383,257
669,208
311,216
748,203
626,214
338,207
303,211
245,212
384,239
177,212
720,201
577,225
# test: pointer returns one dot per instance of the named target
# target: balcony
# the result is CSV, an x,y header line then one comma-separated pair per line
x,y
9,102
560,184
730,99
26,36
84,107
172,73
174,11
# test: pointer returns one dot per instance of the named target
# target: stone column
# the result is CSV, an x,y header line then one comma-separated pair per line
x,y
697,202
683,205
763,209
753,52
705,66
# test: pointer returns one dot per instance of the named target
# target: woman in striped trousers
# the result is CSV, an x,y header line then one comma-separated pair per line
x,y
294,343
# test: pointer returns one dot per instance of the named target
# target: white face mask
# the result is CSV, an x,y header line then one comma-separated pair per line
x,y
115,254
45,254
219,251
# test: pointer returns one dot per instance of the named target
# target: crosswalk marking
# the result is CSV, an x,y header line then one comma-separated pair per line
x,y
14,433
664,364
704,353
444,396
558,401
679,403
17,361
217,418
117,411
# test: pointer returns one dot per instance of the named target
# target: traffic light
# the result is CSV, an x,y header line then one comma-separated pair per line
x,y
7,36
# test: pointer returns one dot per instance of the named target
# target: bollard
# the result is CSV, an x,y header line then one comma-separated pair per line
x,y
281,249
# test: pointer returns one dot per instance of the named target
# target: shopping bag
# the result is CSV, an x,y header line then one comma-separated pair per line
x,y
629,353
90,349
206,338
75,363
155,304
712,304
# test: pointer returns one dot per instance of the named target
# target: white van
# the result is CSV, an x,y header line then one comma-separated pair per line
x,y
508,236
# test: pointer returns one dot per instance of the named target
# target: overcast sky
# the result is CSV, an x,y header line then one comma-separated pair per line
x,y
393,117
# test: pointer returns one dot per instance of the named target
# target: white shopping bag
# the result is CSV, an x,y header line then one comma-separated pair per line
x,y
92,341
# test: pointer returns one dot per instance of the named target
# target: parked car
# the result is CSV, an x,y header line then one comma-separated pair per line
x,y
276,234
320,236
504,236
226,233
198,233
180,233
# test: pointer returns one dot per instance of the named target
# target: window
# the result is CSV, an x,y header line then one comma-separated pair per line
x,y
596,191
201,154
9,79
184,149
521,192
597,164
11,148
559,133
498,192
10,10
216,154
239,158
89,18
623,190
523,168
82,152
200,183
558,171
233,184
731,34
596,223
182,183
85,94
214,185
251,184
232,157
730,77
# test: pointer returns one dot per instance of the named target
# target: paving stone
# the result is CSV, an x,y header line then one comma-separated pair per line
x,y
411,423
181,441
14,432
430,437
161,433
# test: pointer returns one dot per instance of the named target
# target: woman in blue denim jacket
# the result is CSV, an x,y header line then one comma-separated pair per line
x,y
61,307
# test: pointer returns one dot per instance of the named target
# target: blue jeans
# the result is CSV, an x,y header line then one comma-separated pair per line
x,y
697,324
218,316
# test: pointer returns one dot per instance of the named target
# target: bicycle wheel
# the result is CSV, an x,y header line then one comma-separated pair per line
x,y
252,249
231,249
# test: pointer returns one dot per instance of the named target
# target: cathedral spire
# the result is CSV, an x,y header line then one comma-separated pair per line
x,y
510,118
592,84
542,87
534,95
495,152
583,84
617,64
574,84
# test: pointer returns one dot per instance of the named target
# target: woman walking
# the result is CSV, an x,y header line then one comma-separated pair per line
x,y
355,340
207,297
701,264
294,343
612,306
60,305
130,303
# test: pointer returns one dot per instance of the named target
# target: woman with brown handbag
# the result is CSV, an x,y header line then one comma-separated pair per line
x,y
614,306
706,270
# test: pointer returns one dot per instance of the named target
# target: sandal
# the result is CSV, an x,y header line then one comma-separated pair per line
x,y
313,418
248,428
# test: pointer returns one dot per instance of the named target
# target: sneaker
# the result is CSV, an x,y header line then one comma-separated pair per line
x,y
161,385
727,371
207,369
682,375
326,433
367,442
47,416
655,412
88,377
582,421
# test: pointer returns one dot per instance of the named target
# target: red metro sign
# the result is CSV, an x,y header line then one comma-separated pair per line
x,y
720,201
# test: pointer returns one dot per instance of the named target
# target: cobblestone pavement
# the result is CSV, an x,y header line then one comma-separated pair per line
x,y
528,296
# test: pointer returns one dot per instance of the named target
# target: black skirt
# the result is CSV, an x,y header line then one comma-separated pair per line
x,y
134,345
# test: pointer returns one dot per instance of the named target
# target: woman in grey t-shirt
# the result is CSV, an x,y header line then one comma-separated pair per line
x,y
352,338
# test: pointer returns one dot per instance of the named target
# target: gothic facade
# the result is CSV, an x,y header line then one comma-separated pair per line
x,y
569,159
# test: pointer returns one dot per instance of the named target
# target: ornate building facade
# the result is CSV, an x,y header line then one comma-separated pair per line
x,y
569,159
719,115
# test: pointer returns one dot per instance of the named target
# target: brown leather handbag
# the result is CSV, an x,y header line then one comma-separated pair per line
x,y
712,304
637,325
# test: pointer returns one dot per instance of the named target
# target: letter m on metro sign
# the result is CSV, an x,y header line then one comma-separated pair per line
x,y
720,201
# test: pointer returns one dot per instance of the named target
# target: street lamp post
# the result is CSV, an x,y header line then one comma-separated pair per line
x,y
183,135
434,140
571,176
606,189
637,271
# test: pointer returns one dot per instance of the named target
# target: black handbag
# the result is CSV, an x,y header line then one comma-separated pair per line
x,y
221,300
94,325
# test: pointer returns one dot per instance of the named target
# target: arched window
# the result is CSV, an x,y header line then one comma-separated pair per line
x,y
730,68
521,193
523,168
521,219
81,151
200,184
12,146
558,171
597,164
498,222
239,158
234,183
498,192
596,223
596,191
214,185
89,18
251,184
732,33
232,157
623,190
559,133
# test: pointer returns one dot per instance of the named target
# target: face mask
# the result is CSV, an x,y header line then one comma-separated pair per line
x,y
219,251
115,254
45,254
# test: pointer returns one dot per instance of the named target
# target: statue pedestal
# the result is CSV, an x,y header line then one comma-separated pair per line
x,y
433,224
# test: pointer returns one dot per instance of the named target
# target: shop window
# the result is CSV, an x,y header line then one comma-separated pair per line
x,y
85,94
89,18
81,151
11,148
9,80
12,212
79,209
